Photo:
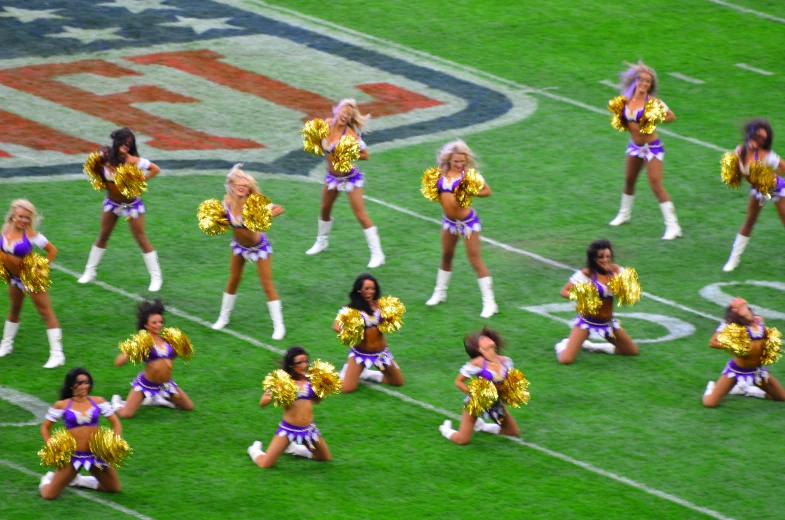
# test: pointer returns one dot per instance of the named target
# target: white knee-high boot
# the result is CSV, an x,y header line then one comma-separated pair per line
x,y
227,304
56,356
9,333
156,279
489,307
91,269
254,450
375,245
672,227
446,429
440,291
322,237
298,450
739,245
625,211
482,426
276,314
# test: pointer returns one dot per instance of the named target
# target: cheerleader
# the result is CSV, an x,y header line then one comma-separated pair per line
x,y
486,364
297,434
453,185
753,345
80,413
754,154
16,245
638,111
156,347
599,272
122,152
347,120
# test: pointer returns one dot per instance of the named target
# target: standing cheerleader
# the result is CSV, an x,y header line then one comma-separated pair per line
x,y
117,169
639,112
75,447
346,123
454,186
361,325
296,387
594,288
756,162
156,347
753,345
248,213
494,383
26,272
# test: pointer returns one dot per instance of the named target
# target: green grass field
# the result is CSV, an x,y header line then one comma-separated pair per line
x,y
556,176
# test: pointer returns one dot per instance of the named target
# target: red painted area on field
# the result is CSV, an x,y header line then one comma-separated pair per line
x,y
32,134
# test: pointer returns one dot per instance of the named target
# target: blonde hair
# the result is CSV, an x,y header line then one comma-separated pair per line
x,y
450,149
236,174
358,121
628,79
17,205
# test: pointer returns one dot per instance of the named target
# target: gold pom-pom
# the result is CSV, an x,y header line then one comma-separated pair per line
x,y
392,314
34,273
5,275
653,114
130,180
345,153
212,217
93,168
282,388
179,342
57,452
430,183
735,339
482,396
514,390
257,215
730,172
313,132
324,379
616,107
110,447
763,178
625,287
469,187
138,346
771,347
586,297
352,327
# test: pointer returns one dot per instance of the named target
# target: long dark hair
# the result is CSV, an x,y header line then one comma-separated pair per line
x,y
145,310
733,316
287,363
751,131
119,138
593,250
67,392
356,300
472,341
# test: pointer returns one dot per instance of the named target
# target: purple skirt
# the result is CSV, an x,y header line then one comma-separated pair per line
x,y
347,182
495,413
127,210
647,152
300,434
776,193
86,460
149,389
369,359
261,250
603,328
17,282
750,376
464,227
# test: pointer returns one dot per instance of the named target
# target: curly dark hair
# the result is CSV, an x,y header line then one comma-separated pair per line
x,y
751,132
67,391
593,250
733,316
287,363
356,300
472,341
119,138
146,309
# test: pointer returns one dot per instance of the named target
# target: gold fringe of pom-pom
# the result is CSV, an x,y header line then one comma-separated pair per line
x,y
352,327
469,187
616,107
93,168
482,396
514,390
138,346
730,172
625,287
586,297
313,132
430,183
735,339
212,217
5,275
324,379
34,273
130,180
256,213
653,114
179,342
392,314
762,178
109,447
771,348
346,152
282,388
57,452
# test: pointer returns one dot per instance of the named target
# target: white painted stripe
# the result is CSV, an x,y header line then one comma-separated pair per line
x,y
754,69
748,11
83,494
27,402
688,79
609,83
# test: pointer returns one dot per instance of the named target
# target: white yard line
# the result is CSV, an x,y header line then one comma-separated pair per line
x,y
754,69
609,83
688,79
748,11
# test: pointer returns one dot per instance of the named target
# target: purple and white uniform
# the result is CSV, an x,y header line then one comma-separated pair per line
x,y
301,434
648,151
261,250
348,181
496,412
604,328
75,419
128,210
21,248
149,388
749,376
464,227
772,160
381,359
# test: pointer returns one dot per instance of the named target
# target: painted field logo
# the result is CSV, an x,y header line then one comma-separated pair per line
x,y
206,84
